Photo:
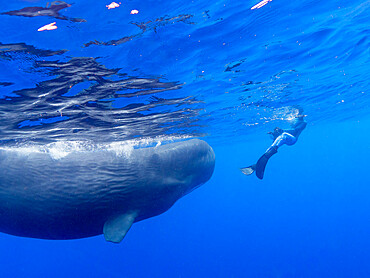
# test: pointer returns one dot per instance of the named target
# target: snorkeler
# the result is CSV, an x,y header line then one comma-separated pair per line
x,y
280,136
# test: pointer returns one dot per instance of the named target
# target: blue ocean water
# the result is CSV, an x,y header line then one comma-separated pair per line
x,y
225,73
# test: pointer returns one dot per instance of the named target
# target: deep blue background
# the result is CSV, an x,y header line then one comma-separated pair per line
x,y
309,217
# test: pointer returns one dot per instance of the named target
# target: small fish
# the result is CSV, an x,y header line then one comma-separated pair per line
x,y
52,11
260,4
48,27
113,5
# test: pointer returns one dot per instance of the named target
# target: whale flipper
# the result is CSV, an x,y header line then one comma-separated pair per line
x,y
117,227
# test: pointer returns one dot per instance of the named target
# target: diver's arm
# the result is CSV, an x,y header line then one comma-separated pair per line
x,y
276,133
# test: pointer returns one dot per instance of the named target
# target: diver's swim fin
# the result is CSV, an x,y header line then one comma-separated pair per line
x,y
248,170
262,162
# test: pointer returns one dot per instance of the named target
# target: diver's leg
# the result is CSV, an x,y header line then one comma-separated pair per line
x,y
262,161
289,139
284,138
260,166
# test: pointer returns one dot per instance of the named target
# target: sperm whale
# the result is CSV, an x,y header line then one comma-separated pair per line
x,y
92,192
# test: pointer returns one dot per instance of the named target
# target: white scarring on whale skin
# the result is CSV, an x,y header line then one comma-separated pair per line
x,y
84,192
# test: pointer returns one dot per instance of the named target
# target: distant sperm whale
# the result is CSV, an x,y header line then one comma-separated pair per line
x,y
87,193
